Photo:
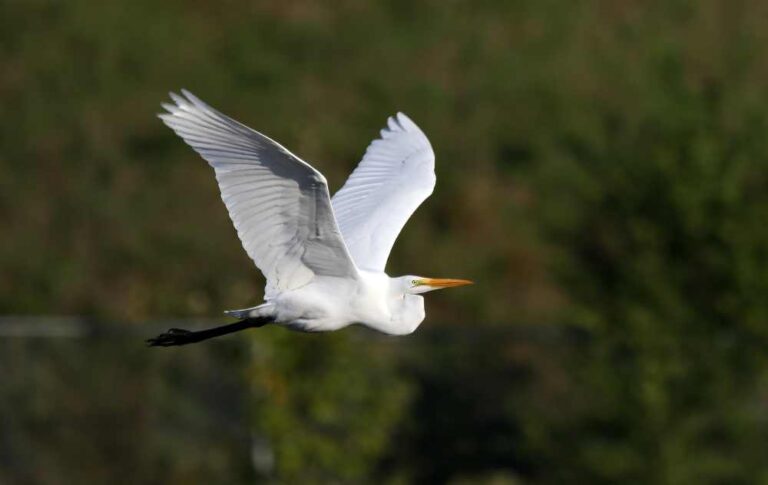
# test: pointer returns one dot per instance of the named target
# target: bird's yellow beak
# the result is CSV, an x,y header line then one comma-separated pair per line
x,y
443,282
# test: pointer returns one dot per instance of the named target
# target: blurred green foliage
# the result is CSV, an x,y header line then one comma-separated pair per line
x,y
329,406
101,411
602,176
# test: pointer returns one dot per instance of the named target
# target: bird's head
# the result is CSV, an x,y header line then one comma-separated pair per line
x,y
415,285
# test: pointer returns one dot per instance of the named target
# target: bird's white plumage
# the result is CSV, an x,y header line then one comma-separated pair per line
x,y
324,260
394,177
279,204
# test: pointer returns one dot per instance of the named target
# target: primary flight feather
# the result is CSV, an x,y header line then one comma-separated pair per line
x,y
323,258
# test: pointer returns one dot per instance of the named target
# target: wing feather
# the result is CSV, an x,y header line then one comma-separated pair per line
x,y
278,203
396,174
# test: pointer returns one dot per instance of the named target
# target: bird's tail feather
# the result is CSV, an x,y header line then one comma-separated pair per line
x,y
256,311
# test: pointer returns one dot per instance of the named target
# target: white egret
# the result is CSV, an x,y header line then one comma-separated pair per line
x,y
323,258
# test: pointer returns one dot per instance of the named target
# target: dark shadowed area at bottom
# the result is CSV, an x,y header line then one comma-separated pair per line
x,y
86,401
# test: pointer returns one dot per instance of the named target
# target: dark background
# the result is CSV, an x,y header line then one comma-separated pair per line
x,y
601,176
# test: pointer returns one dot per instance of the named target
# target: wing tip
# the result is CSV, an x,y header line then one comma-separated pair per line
x,y
400,122
180,101
406,122
185,101
197,102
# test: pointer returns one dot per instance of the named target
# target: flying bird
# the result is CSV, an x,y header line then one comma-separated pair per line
x,y
323,258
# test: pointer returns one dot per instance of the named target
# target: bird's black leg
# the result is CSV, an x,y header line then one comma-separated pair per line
x,y
174,336
179,336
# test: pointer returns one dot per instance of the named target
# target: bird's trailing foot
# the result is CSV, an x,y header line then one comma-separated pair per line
x,y
174,336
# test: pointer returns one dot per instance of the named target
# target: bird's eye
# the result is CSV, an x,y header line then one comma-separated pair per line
x,y
414,282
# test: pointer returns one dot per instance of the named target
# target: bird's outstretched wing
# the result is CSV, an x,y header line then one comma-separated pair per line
x,y
395,176
278,203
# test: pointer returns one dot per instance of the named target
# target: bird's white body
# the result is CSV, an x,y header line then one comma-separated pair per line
x,y
330,303
323,257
